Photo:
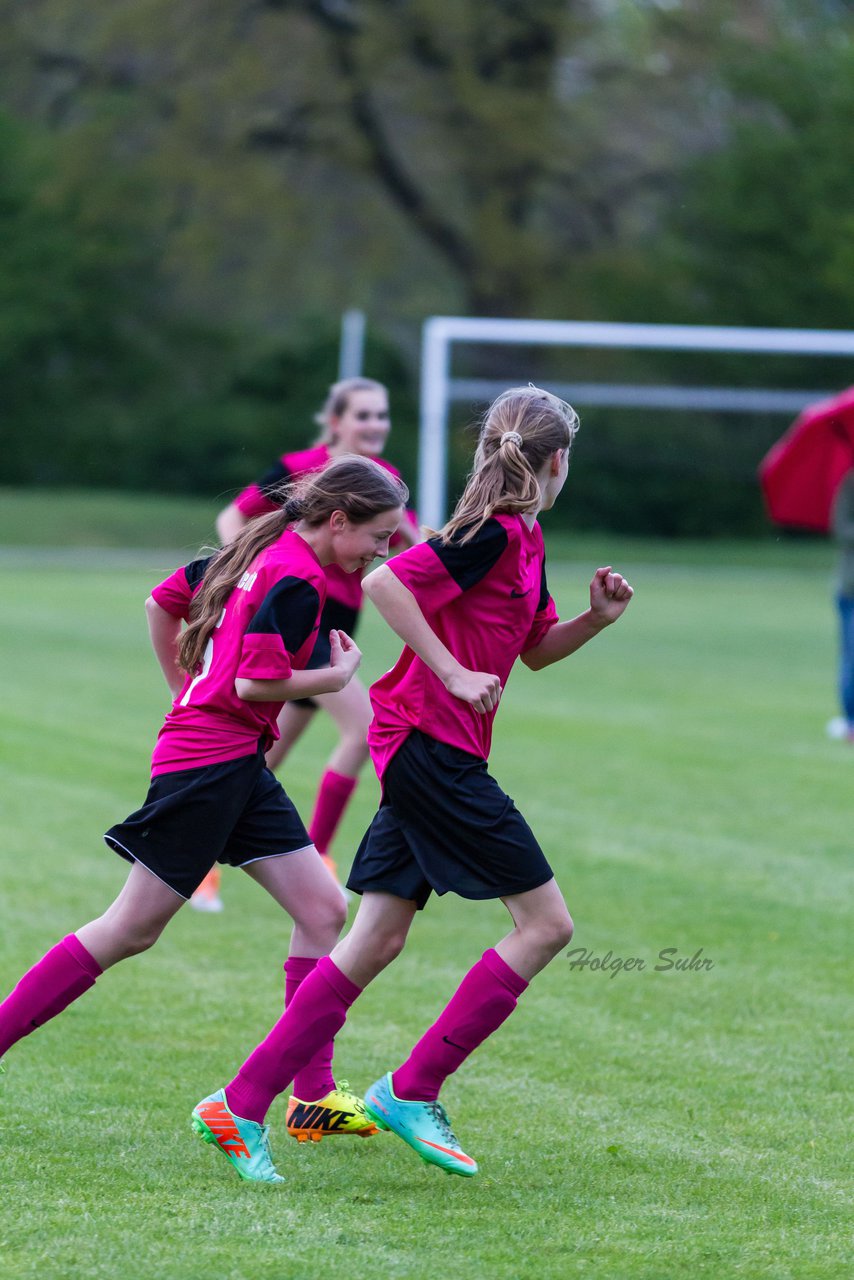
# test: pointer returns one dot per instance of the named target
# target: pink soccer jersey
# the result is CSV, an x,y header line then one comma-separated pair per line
x,y
487,600
176,592
267,630
259,498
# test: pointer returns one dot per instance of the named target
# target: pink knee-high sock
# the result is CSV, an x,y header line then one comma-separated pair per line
x,y
311,1020
45,990
333,796
484,999
315,1079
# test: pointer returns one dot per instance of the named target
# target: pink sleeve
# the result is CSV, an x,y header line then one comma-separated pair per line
x,y
252,502
437,572
263,656
544,620
174,594
420,569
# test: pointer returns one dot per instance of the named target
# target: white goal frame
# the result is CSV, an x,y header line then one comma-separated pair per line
x,y
439,388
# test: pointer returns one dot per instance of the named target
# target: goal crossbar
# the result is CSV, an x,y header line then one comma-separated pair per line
x,y
439,388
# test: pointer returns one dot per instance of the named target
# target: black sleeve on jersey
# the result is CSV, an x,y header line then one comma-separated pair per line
x,y
195,571
272,481
544,589
468,562
291,609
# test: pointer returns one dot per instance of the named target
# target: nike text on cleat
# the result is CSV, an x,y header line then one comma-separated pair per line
x,y
339,1112
424,1126
243,1142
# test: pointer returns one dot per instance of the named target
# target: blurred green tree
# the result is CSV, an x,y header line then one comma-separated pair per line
x,y
73,291
195,192
765,233
406,156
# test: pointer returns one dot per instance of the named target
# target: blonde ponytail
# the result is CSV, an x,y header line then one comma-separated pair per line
x,y
519,433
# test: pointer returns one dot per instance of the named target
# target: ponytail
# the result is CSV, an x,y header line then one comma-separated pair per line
x,y
358,487
520,431
221,576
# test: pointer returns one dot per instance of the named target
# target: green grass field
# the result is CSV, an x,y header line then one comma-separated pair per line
x,y
634,1125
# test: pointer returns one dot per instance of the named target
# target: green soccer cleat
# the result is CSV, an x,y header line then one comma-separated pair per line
x,y
424,1126
243,1142
339,1112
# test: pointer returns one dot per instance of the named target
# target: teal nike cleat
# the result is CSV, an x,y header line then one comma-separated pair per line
x,y
243,1142
424,1126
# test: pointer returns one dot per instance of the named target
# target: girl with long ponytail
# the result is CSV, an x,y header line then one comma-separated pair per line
x,y
354,418
252,613
466,603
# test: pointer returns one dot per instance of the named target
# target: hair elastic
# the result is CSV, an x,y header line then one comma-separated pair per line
x,y
511,435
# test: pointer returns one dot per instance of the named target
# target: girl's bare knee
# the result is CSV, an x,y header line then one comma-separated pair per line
x,y
338,914
136,946
137,940
556,933
333,917
324,921
389,946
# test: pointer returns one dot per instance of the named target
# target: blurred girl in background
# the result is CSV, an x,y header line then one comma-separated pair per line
x,y
354,419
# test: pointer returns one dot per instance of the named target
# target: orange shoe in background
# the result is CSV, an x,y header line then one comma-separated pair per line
x,y
206,897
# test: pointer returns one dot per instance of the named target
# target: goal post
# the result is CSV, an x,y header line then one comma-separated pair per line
x,y
439,388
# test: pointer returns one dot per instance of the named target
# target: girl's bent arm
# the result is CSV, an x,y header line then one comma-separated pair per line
x,y
302,684
344,662
610,594
403,614
562,639
165,632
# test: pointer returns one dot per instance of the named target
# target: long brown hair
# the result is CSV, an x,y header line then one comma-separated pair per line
x,y
519,433
357,486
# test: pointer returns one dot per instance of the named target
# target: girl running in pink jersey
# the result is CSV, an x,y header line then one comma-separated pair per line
x,y
252,627
354,419
466,603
